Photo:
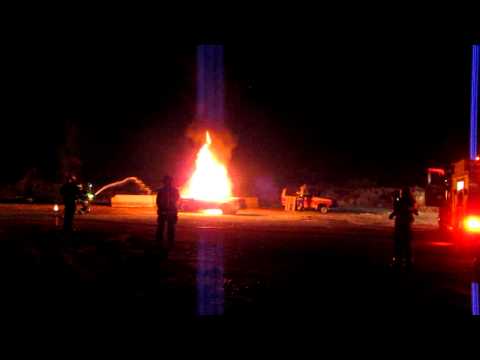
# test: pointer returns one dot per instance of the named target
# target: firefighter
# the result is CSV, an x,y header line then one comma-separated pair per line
x,y
167,201
395,201
303,191
303,197
85,197
404,209
70,193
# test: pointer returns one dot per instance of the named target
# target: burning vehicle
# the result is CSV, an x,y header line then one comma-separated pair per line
x,y
209,189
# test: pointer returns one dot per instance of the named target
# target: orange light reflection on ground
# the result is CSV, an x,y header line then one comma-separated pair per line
x,y
212,211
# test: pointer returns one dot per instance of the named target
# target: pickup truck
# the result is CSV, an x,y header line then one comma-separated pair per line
x,y
310,201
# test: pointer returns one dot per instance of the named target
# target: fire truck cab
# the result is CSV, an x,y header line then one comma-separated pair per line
x,y
456,192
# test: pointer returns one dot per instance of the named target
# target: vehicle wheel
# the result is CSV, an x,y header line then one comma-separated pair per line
x,y
323,209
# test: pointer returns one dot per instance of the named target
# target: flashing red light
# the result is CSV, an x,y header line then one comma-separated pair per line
x,y
477,158
472,224
438,171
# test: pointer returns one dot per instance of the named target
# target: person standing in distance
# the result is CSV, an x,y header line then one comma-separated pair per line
x,y
167,212
70,193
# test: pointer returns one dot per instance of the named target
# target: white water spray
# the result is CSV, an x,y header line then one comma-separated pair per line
x,y
134,179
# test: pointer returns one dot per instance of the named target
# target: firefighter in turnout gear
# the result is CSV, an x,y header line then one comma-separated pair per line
x,y
70,193
167,201
403,210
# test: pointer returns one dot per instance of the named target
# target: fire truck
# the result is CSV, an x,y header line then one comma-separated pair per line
x,y
456,192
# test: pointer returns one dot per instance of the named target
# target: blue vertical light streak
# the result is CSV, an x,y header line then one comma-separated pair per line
x,y
210,274
219,84
475,302
210,112
210,85
200,82
474,102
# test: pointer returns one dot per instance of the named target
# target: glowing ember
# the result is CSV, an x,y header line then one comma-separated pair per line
x,y
212,211
210,181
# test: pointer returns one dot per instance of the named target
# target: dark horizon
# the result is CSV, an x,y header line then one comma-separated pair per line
x,y
327,107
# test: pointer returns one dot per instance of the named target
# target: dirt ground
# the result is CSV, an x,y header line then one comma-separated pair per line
x,y
257,264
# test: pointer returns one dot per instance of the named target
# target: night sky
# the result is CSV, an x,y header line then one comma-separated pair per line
x,y
324,103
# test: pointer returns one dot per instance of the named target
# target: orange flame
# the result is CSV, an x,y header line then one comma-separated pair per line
x,y
210,180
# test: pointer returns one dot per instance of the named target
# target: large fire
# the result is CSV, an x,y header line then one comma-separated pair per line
x,y
210,180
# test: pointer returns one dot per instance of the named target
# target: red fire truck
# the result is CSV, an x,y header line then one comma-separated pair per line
x,y
456,192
